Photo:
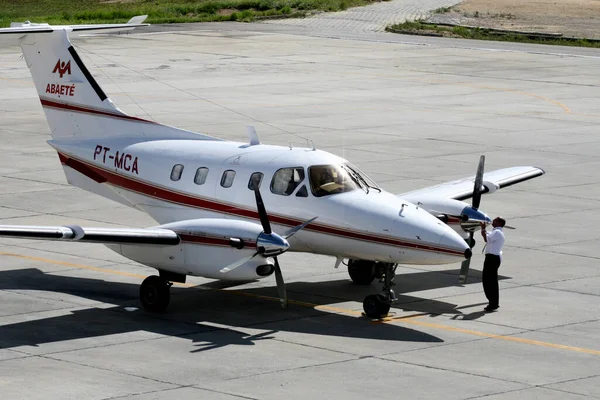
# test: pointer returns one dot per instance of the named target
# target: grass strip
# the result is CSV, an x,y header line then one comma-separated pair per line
x,y
162,11
428,29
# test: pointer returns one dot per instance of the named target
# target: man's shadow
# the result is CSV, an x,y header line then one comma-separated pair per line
x,y
471,316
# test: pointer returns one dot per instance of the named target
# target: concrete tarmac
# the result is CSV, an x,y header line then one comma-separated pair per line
x,y
409,111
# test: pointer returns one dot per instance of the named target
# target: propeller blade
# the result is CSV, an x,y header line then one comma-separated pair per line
x,y
237,264
295,229
465,265
509,227
280,285
262,212
478,183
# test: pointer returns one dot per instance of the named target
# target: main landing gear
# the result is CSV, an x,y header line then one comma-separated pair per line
x,y
377,306
362,272
155,293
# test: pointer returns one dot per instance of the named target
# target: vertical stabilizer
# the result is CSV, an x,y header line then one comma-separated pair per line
x,y
66,88
74,103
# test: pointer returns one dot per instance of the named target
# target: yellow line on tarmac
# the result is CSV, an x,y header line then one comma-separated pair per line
x,y
80,266
408,319
400,318
502,337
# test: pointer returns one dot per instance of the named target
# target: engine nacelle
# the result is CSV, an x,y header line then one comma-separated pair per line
x,y
454,211
207,246
440,206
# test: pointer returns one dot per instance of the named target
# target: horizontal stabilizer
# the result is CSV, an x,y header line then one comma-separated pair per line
x,y
19,29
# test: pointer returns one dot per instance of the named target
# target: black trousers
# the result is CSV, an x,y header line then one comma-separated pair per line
x,y
489,278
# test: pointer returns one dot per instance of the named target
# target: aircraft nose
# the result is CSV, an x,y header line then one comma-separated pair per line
x,y
452,240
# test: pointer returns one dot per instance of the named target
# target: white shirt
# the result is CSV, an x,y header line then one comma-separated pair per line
x,y
495,242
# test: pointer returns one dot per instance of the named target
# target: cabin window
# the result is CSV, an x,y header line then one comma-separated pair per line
x,y
176,172
200,176
286,180
255,176
227,178
302,192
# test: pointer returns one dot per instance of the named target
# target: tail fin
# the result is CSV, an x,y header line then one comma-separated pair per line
x,y
74,103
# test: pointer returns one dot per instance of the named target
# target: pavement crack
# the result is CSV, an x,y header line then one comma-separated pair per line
x,y
226,393
320,348
569,392
448,370
293,369
129,395
107,369
498,393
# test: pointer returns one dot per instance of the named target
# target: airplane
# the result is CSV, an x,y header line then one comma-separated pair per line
x,y
210,196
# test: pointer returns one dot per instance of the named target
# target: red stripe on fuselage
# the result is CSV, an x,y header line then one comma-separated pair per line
x,y
87,110
163,194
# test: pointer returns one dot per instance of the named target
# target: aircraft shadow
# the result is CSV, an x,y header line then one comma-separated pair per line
x,y
406,283
209,318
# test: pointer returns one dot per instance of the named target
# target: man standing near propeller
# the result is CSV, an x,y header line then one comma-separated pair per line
x,y
493,257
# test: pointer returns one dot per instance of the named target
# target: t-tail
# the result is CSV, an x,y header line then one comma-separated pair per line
x,y
74,103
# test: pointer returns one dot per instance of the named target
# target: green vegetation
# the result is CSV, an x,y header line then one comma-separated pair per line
x,y
161,11
442,10
426,29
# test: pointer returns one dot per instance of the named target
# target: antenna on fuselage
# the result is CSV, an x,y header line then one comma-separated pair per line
x,y
309,142
254,140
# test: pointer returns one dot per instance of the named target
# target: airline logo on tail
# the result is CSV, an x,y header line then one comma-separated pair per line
x,y
62,68
61,90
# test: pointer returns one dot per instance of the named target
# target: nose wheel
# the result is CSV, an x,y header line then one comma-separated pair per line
x,y
377,306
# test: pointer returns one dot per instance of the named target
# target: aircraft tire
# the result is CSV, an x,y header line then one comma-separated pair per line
x,y
361,272
155,294
376,306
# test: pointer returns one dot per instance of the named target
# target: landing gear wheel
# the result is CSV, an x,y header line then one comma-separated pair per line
x,y
155,293
376,306
361,272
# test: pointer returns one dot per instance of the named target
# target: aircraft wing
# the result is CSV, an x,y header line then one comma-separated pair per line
x,y
150,236
462,189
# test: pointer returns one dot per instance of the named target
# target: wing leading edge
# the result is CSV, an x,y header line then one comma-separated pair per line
x,y
462,189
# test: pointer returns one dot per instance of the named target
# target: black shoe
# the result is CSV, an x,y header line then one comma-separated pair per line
x,y
491,308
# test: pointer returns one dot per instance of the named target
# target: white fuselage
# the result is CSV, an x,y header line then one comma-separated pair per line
x,y
376,225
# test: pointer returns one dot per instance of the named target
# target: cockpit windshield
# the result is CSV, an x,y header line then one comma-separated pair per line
x,y
363,178
330,179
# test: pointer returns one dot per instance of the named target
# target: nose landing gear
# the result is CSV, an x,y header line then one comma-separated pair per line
x,y
377,306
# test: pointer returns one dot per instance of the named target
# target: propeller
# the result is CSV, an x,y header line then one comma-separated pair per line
x,y
478,183
464,267
269,244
